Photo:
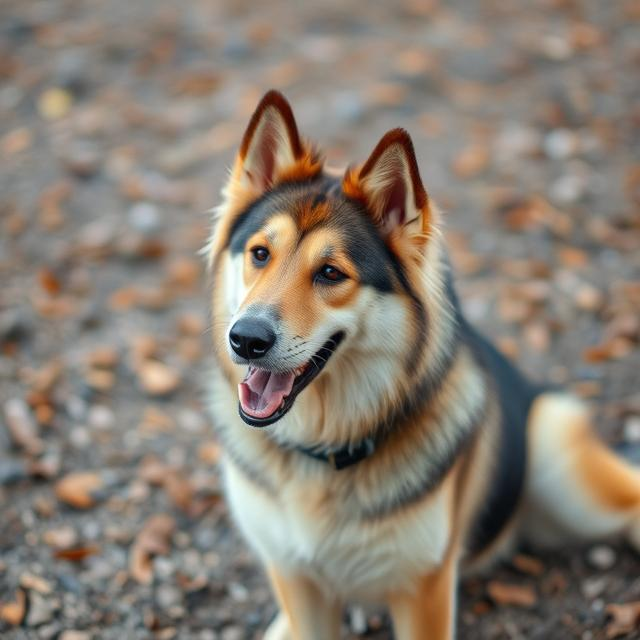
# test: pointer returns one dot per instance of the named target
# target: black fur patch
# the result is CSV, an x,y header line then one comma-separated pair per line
x,y
515,395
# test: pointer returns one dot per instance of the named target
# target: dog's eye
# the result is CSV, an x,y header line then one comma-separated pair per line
x,y
328,273
260,256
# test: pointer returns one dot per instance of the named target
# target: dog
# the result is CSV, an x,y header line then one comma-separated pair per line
x,y
375,444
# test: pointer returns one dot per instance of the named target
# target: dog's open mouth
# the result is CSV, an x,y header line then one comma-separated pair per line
x,y
266,396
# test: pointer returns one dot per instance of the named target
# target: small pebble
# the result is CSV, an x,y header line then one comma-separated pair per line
x,y
601,557
71,634
560,144
238,592
144,217
232,632
163,567
49,631
168,596
568,189
54,103
41,610
61,537
100,417
631,429
80,437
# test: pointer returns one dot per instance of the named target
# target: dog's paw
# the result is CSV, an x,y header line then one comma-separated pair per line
x,y
278,629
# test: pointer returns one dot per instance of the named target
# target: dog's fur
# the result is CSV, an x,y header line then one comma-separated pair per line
x,y
466,453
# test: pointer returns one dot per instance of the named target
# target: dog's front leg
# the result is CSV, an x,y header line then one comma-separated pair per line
x,y
306,612
427,612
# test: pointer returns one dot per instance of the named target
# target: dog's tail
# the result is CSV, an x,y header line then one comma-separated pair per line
x,y
576,485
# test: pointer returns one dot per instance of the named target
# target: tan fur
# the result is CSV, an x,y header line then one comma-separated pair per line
x,y
428,611
310,613
373,532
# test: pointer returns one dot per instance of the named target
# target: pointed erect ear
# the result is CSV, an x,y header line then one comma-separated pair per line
x,y
390,185
271,143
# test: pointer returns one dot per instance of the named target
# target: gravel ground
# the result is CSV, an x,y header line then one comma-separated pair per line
x,y
117,122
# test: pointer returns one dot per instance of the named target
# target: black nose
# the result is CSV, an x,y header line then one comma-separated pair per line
x,y
251,338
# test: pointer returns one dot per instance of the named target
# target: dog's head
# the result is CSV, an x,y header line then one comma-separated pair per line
x,y
319,275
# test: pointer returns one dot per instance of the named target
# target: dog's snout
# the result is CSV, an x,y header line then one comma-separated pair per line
x,y
251,338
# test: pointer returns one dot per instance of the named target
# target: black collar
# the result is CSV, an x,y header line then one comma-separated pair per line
x,y
344,456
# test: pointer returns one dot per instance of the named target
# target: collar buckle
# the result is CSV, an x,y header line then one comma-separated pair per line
x,y
348,456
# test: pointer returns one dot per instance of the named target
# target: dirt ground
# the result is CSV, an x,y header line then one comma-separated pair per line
x,y
117,122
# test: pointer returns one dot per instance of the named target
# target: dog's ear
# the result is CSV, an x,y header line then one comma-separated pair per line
x,y
271,148
389,184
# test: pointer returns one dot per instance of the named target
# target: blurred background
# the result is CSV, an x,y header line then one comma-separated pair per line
x,y
118,120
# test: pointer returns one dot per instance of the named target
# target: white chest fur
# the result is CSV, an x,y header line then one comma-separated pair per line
x,y
307,529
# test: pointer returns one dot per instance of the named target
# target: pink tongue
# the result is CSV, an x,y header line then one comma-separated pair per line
x,y
262,392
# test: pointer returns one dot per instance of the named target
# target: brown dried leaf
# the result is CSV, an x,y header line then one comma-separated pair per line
x,y
588,298
60,307
157,297
508,346
587,388
143,348
609,350
154,538
209,452
179,489
124,299
183,273
16,141
79,489
506,594
624,325
481,608
44,414
572,257
49,282
154,420
76,554
625,619
105,357
513,309
471,161
537,336
528,564
189,349
35,583
157,379
191,324
196,83
554,583
61,538
51,215
100,379
13,613
387,94
153,470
